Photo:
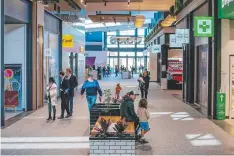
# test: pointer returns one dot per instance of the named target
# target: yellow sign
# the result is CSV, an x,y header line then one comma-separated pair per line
x,y
68,41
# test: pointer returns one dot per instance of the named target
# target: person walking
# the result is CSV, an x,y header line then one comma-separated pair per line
x,y
146,79
73,84
64,90
141,85
92,88
104,72
118,90
52,98
116,71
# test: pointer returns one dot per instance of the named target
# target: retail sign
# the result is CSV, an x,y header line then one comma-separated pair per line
x,y
203,26
68,41
173,43
182,36
226,9
156,49
220,105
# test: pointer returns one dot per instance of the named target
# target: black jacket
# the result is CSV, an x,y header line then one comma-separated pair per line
x,y
73,84
64,85
147,81
127,110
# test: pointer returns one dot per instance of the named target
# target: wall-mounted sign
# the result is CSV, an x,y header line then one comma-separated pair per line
x,y
203,26
182,36
68,41
47,52
226,9
173,43
156,49
124,40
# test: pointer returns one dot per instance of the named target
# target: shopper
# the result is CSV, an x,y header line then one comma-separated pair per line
x,y
52,97
141,85
92,88
64,88
104,72
127,111
146,79
117,90
132,70
143,115
73,84
116,71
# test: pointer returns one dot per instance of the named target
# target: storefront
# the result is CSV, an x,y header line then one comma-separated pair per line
x,y
226,13
52,48
17,57
197,57
73,51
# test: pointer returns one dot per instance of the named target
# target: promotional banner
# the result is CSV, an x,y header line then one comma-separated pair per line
x,y
226,9
13,84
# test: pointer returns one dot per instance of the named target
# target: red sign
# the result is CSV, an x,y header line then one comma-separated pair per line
x,y
8,73
11,98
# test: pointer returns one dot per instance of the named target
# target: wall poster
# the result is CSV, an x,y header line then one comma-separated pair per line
x,y
13,85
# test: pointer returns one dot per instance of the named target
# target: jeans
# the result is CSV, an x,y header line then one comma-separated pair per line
x,y
70,100
91,101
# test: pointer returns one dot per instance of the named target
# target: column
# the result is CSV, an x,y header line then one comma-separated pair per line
x,y
2,63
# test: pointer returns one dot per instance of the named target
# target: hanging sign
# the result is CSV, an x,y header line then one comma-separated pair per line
x,y
68,41
226,9
203,26
156,49
173,43
182,36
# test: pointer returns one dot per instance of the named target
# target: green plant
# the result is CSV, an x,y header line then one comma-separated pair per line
x,y
105,124
120,128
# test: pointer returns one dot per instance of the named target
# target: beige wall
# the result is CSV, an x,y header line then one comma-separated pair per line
x,y
153,65
226,50
175,53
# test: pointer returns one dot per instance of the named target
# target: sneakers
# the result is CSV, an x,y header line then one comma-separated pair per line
x,y
143,141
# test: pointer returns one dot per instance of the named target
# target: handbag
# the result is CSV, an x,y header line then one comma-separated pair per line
x,y
46,97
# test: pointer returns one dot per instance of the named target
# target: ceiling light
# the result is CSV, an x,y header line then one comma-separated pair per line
x,y
129,2
139,21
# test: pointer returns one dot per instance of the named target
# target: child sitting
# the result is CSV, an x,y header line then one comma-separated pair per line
x,y
143,115
117,90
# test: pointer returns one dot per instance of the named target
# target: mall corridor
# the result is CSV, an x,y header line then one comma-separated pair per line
x,y
176,129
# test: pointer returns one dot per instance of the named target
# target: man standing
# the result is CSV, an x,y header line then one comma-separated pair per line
x,y
73,84
64,88
92,88
127,110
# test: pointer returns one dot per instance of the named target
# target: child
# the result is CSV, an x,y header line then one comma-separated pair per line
x,y
143,115
117,90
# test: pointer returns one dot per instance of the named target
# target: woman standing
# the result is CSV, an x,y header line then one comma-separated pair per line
x,y
52,97
146,79
141,85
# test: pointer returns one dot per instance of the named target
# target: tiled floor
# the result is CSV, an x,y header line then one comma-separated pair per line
x,y
176,129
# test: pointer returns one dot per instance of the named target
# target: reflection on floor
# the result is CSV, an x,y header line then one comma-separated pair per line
x,y
10,114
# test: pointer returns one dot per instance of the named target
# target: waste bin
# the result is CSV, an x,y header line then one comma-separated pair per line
x,y
220,106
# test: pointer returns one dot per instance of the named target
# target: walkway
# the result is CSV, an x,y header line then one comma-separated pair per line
x,y
176,129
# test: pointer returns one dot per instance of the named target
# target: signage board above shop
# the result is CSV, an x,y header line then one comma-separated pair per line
x,y
226,9
156,49
173,43
68,41
182,36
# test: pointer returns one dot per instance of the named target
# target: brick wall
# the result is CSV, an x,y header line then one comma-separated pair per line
x,y
112,147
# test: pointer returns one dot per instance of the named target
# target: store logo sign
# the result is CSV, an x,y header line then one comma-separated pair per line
x,y
68,41
156,49
225,9
203,26
226,3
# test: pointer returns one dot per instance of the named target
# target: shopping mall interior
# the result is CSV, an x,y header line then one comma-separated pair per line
x,y
117,77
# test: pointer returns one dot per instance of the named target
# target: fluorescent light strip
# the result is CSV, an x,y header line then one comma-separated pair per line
x,y
43,139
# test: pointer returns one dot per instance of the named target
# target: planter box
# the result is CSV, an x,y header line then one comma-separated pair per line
x,y
101,110
112,146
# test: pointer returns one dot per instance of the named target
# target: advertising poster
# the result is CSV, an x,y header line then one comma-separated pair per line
x,y
13,83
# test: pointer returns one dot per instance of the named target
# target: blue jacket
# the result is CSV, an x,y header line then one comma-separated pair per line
x,y
91,88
